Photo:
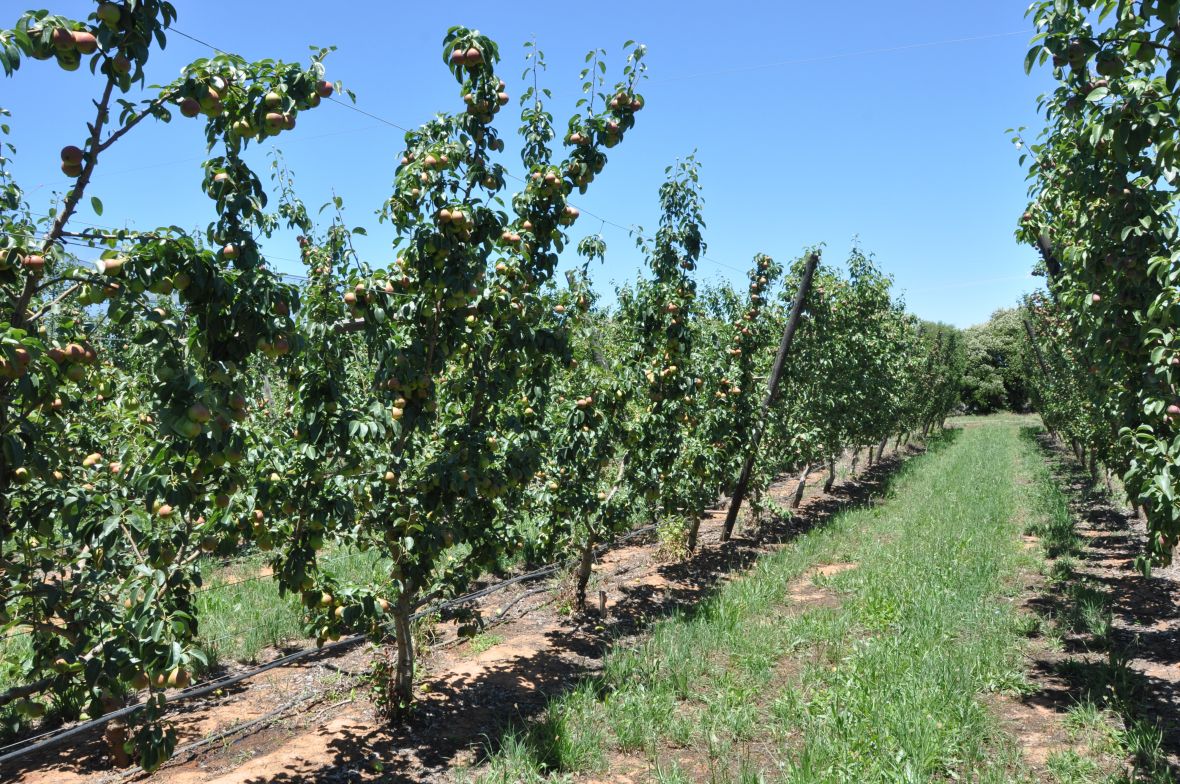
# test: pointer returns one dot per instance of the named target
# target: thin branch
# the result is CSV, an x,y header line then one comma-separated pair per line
x,y
136,120
55,302
28,690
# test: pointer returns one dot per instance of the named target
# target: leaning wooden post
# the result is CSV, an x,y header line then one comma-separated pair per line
x,y
1032,339
776,372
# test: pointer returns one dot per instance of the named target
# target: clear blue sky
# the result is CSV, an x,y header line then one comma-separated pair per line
x,y
813,122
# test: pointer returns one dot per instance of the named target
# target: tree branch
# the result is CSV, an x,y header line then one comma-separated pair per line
x,y
29,689
136,120
71,204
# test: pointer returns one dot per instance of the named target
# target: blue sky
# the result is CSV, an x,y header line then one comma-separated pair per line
x,y
814,123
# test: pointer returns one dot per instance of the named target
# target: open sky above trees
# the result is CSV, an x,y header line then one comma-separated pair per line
x,y
883,123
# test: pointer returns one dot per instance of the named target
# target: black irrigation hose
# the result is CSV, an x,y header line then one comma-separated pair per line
x,y
187,694
238,729
189,749
193,692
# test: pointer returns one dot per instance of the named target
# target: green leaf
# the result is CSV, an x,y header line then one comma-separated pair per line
x,y
1031,58
96,205
1164,481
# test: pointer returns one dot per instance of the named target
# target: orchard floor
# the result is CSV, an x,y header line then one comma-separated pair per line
x,y
904,627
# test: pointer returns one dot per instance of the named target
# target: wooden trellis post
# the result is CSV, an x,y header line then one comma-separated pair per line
x,y
776,372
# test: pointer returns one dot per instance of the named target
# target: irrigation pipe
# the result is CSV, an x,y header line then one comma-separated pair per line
x,y
46,740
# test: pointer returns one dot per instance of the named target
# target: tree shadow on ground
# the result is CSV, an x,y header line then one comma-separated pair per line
x,y
1125,654
89,755
477,713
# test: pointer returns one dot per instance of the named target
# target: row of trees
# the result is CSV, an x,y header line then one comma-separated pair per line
x,y
179,401
1103,214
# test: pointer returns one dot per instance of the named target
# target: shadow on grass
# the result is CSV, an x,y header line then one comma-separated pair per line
x,y
477,712
507,703
1113,615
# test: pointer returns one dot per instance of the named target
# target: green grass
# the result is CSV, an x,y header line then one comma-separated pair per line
x,y
1005,418
484,641
884,687
241,613
13,649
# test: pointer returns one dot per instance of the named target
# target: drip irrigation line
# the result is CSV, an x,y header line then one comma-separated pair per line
x,y
234,729
26,747
504,610
49,739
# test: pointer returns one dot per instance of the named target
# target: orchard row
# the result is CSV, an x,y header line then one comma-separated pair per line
x,y
1103,214
446,411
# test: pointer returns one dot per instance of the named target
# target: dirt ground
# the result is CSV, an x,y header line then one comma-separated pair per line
x,y
313,721
1137,667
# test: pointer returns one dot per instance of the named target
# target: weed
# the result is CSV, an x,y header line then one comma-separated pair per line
x,y
483,642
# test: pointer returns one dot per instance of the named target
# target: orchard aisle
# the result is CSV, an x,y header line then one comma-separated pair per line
x,y
874,649
886,643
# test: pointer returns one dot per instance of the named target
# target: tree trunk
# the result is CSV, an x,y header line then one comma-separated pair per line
x,y
897,443
755,510
401,689
831,475
584,570
855,460
694,529
881,448
869,456
115,734
1093,466
799,488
